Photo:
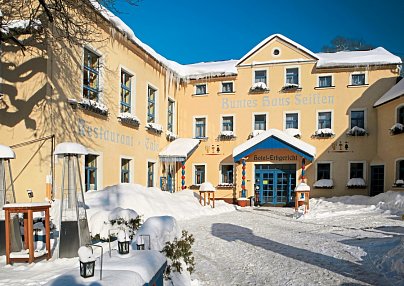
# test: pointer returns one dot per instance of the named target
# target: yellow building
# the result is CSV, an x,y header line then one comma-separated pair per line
x,y
248,126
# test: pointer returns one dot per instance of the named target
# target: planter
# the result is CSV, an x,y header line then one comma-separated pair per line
x,y
242,202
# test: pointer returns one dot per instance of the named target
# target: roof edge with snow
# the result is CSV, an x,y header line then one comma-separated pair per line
x,y
393,93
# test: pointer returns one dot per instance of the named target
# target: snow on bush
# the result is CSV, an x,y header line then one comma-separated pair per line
x,y
227,133
94,106
127,117
324,132
158,128
356,131
397,128
161,229
258,86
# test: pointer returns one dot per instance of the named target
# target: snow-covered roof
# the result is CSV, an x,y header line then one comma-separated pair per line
x,y
395,92
378,56
282,37
280,135
179,149
70,148
6,152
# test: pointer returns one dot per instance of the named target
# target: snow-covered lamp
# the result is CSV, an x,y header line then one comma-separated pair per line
x,y
87,261
123,242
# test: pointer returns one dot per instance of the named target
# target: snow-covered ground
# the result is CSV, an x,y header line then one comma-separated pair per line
x,y
341,241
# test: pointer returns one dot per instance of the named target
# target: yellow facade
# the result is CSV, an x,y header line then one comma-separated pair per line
x,y
42,95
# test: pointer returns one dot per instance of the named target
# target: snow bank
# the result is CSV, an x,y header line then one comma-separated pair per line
x,y
390,202
161,229
147,202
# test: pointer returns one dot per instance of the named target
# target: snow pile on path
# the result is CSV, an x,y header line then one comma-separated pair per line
x,y
390,202
146,202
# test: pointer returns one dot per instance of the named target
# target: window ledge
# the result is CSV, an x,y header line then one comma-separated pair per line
x,y
401,187
291,88
358,85
200,94
225,186
223,92
258,90
324,87
325,188
202,138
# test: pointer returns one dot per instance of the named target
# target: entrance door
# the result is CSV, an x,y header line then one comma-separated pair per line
x,y
275,183
376,180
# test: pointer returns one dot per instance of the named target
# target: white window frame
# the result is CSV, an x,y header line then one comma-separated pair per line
x,y
227,81
221,174
132,89
131,166
365,123
201,94
259,69
273,50
156,103
356,73
193,172
155,171
332,117
234,122
323,75
364,168
396,112
100,72
100,168
174,114
325,162
253,119
299,71
298,118
194,125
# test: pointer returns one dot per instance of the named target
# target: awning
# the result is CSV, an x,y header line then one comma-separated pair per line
x,y
274,139
178,150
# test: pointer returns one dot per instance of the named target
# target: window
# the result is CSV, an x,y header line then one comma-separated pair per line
x,y
125,91
356,170
358,118
400,115
150,174
358,79
260,122
292,120
199,174
200,127
170,116
324,120
227,123
151,104
292,76
260,76
323,171
325,81
90,163
227,87
200,89
125,170
400,170
91,75
227,174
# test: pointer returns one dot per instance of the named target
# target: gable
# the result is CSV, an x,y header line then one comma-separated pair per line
x,y
266,51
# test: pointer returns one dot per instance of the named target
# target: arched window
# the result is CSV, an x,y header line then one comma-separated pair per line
x,y
400,115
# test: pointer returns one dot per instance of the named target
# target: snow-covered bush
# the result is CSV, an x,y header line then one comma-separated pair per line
x,y
227,134
356,131
324,133
128,118
397,129
94,106
290,87
356,183
179,251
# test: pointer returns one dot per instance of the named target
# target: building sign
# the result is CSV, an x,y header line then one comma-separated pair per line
x,y
272,157
101,133
267,101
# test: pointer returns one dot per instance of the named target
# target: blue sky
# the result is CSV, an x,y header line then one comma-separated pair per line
x,y
195,31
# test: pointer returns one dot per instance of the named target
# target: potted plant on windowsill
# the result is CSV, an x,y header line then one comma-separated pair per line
x,y
154,127
399,183
259,87
323,133
128,118
356,131
227,135
290,87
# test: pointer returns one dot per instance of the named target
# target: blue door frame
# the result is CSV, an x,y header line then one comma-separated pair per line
x,y
275,183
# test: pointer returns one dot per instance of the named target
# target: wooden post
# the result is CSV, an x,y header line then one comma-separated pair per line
x,y
7,226
47,233
30,236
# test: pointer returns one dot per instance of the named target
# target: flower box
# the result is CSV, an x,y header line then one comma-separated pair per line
x,y
290,87
128,118
356,131
397,128
356,183
259,87
324,184
171,136
323,133
399,183
225,185
227,135
94,106
154,127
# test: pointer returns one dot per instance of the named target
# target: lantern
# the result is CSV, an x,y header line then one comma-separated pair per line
x,y
123,242
87,261
140,243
